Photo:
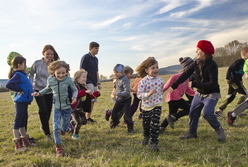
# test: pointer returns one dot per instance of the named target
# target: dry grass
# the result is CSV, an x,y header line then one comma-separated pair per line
x,y
101,146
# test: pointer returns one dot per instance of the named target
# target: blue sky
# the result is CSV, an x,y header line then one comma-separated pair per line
x,y
128,31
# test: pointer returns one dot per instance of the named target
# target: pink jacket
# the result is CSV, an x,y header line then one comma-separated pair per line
x,y
179,92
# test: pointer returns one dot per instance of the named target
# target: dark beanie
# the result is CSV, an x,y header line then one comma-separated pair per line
x,y
185,62
206,46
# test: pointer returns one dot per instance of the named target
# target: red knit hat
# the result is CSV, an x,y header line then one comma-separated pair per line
x,y
206,46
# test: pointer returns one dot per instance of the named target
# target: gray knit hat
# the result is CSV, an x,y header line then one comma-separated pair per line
x,y
186,62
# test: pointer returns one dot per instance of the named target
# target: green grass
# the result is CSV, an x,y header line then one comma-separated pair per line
x,y
101,146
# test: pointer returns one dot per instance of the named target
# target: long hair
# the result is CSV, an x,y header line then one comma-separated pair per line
x,y
145,65
14,64
50,47
78,74
56,65
201,62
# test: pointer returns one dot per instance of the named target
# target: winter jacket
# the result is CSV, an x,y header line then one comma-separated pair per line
x,y
122,88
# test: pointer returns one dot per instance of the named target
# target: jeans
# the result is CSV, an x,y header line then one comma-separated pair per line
x,y
60,115
197,105
21,115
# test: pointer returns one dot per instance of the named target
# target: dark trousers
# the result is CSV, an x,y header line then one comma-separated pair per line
x,y
174,105
121,108
151,124
21,115
136,103
45,107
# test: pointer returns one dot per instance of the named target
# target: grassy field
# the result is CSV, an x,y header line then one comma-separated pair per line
x,y
101,146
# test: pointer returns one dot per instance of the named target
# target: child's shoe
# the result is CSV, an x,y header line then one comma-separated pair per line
x,y
107,114
218,113
19,146
25,141
62,132
145,140
154,147
171,119
75,136
220,134
59,150
230,118
49,138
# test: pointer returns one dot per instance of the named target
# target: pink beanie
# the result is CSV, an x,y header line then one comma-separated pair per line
x,y
206,46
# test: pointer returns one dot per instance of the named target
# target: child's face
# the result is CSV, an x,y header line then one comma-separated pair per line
x,y
82,79
60,73
49,55
153,70
117,74
129,75
199,53
22,66
245,56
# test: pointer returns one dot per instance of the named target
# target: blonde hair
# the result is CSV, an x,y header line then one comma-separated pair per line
x,y
150,61
78,74
56,65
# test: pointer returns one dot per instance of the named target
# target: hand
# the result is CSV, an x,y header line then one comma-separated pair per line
x,y
151,92
246,76
99,87
190,84
35,94
73,100
19,93
170,89
88,91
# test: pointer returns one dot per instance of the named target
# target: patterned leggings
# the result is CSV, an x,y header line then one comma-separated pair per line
x,y
151,123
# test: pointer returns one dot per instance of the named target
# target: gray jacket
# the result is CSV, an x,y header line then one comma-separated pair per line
x,y
122,88
60,91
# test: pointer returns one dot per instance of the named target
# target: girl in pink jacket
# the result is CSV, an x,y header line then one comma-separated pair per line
x,y
175,99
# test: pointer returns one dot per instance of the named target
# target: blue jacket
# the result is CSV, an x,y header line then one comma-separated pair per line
x,y
20,83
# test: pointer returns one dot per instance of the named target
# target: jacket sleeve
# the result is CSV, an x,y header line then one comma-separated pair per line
x,y
32,72
142,94
12,84
190,91
126,88
46,89
169,83
73,89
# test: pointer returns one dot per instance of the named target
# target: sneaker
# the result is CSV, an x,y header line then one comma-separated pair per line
x,y
230,118
220,134
188,136
130,131
124,122
145,140
49,138
218,113
107,114
161,130
140,116
112,126
75,136
171,119
59,152
91,120
62,132
154,147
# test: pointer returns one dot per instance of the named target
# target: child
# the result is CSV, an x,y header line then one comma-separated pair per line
x,y
58,83
123,99
175,99
243,106
19,83
150,91
83,103
234,80
136,101
208,90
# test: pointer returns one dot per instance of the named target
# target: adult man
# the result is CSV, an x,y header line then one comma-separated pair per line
x,y
89,62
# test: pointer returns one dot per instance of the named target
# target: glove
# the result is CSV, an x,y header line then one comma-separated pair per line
x,y
95,94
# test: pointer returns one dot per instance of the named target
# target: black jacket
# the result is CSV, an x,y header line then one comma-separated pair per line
x,y
207,82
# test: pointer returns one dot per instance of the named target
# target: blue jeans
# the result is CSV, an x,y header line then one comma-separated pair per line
x,y
59,115
208,112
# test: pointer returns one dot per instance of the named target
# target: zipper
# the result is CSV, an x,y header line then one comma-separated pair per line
x,y
59,96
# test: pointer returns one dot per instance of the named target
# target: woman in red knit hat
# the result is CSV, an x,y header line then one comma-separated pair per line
x,y
208,91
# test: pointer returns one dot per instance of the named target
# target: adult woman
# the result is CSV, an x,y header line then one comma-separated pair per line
x,y
38,77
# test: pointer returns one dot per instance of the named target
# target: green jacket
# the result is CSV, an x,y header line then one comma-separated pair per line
x,y
245,67
60,92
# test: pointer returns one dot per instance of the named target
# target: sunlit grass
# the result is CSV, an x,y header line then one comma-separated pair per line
x,y
101,146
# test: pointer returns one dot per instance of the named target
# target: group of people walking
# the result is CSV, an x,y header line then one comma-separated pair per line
x,y
48,81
